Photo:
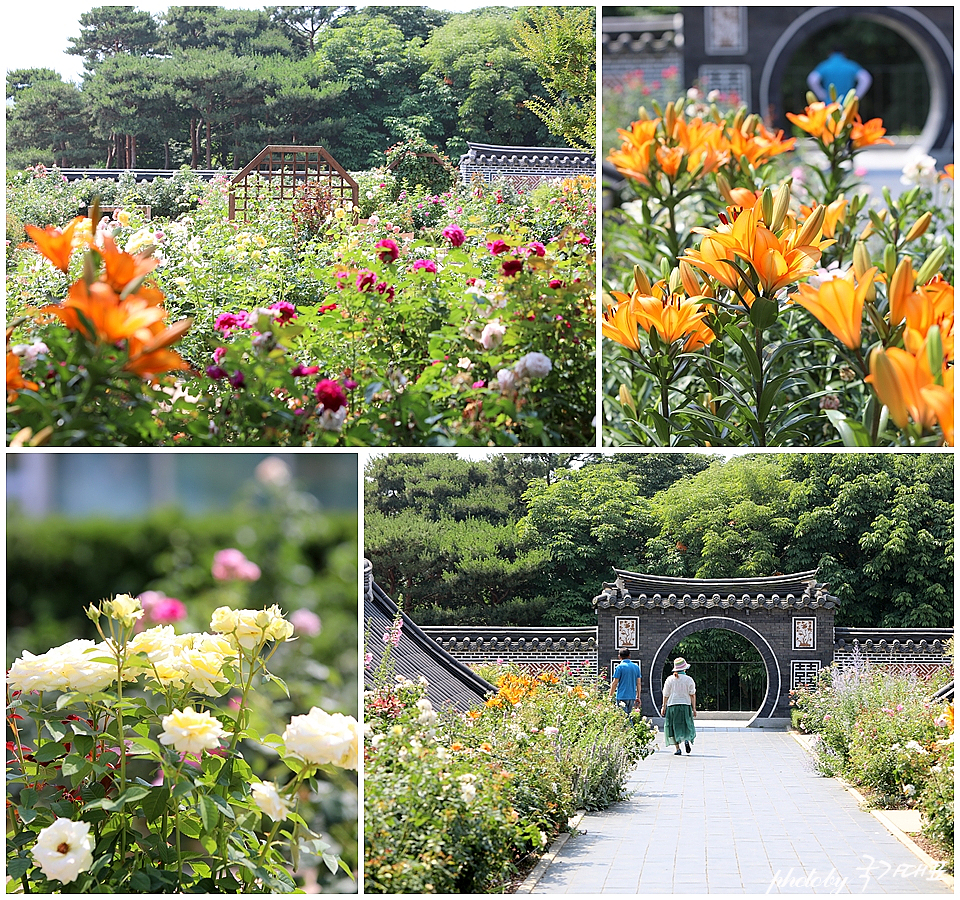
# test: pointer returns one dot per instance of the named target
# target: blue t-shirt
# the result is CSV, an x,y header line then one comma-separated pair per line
x,y
839,71
627,675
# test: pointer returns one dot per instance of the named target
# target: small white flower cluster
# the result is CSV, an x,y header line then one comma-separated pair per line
x,y
922,171
30,353
468,787
268,799
428,715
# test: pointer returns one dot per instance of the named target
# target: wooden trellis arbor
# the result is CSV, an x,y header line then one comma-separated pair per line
x,y
287,172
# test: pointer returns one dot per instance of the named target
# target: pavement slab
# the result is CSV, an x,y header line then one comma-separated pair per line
x,y
745,813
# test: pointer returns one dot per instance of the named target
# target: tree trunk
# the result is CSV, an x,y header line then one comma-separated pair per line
x,y
110,149
166,154
194,149
208,142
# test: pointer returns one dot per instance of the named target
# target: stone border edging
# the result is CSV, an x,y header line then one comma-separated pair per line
x,y
531,881
901,836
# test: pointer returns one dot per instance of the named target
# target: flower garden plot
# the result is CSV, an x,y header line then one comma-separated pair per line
x,y
768,303
91,725
460,802
463,318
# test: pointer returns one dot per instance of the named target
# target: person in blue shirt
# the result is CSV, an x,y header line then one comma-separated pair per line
x,y
626,682
840,73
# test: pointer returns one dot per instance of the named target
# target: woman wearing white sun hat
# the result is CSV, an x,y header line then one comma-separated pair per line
x,y
679,706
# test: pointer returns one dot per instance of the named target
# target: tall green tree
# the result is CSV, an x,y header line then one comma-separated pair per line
x,y
47,120
560,41
107,31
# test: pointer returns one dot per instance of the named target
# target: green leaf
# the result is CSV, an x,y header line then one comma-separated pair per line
x,y
209,812
83,744
68,698
27,814
140,882
130,795
56,729
852,432
155,803
50,751
18,866
73,764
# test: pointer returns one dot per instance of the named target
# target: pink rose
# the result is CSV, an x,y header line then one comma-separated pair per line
x,y
232,565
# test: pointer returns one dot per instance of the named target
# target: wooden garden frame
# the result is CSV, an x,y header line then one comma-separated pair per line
x,y
290,170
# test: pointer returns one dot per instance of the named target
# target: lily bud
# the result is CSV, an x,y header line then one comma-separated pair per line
x,y
674,281
688,277
899,287
781,206
934,350
889,259
641,281
724,187
919,227
931,265
861,258
886,382
626,399
850,110
766,206
669,119
812,227
812,98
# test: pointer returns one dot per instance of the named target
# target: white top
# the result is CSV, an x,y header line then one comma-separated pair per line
x,y
679,690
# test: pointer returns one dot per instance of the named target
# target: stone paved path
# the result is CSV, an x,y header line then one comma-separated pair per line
x,y
745,813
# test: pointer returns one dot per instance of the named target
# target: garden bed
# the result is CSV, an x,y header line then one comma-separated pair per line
x,y
464,317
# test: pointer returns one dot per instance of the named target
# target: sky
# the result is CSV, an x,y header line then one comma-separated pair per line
x,y
38,37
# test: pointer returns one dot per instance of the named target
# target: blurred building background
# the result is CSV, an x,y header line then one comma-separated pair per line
x,y
763,54
132,484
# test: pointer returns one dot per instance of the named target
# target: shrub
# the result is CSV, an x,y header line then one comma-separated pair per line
x,y
936,804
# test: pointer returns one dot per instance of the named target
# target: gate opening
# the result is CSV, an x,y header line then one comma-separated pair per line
x,y
728,670
900,93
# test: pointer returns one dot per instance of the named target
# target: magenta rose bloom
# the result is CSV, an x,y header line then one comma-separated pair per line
x,y
298,371
285,311
217,373
330,394
428,265
455,234
227,322
366,280
237,380
389,250
498,246
536,248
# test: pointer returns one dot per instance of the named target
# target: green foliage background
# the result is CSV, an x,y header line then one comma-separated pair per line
x,y
210,87
529,540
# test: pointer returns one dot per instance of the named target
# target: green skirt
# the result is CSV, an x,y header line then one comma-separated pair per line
x,y
678,724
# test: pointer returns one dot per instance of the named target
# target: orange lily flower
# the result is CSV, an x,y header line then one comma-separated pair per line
x,y
904,384
947,171
838,305
15,381
670,159
112,319
150,357
866,134
121,268
930,304
673,315
818,121
758,146
53,243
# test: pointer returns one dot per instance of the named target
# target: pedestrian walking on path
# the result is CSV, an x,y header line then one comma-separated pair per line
x,y
679,707
626,682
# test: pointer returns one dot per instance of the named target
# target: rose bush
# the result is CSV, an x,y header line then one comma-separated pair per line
x,y
457,802
769,307
125,775
197,330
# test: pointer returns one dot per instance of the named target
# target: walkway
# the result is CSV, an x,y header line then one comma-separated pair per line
x,y
745,813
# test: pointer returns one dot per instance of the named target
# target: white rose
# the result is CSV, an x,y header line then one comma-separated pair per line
x,y
533,365
203,671
64,850
224,620
278,629
190,731
506,379
321,738
266,796
492,335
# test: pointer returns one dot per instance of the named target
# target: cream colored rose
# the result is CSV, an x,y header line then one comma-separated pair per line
x,y
224,620
158,642
64,850
267,797
124,608
321,738
69,667
202,671
279,628
190,731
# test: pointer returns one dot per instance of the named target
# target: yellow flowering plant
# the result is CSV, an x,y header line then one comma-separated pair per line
x,y
126,774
